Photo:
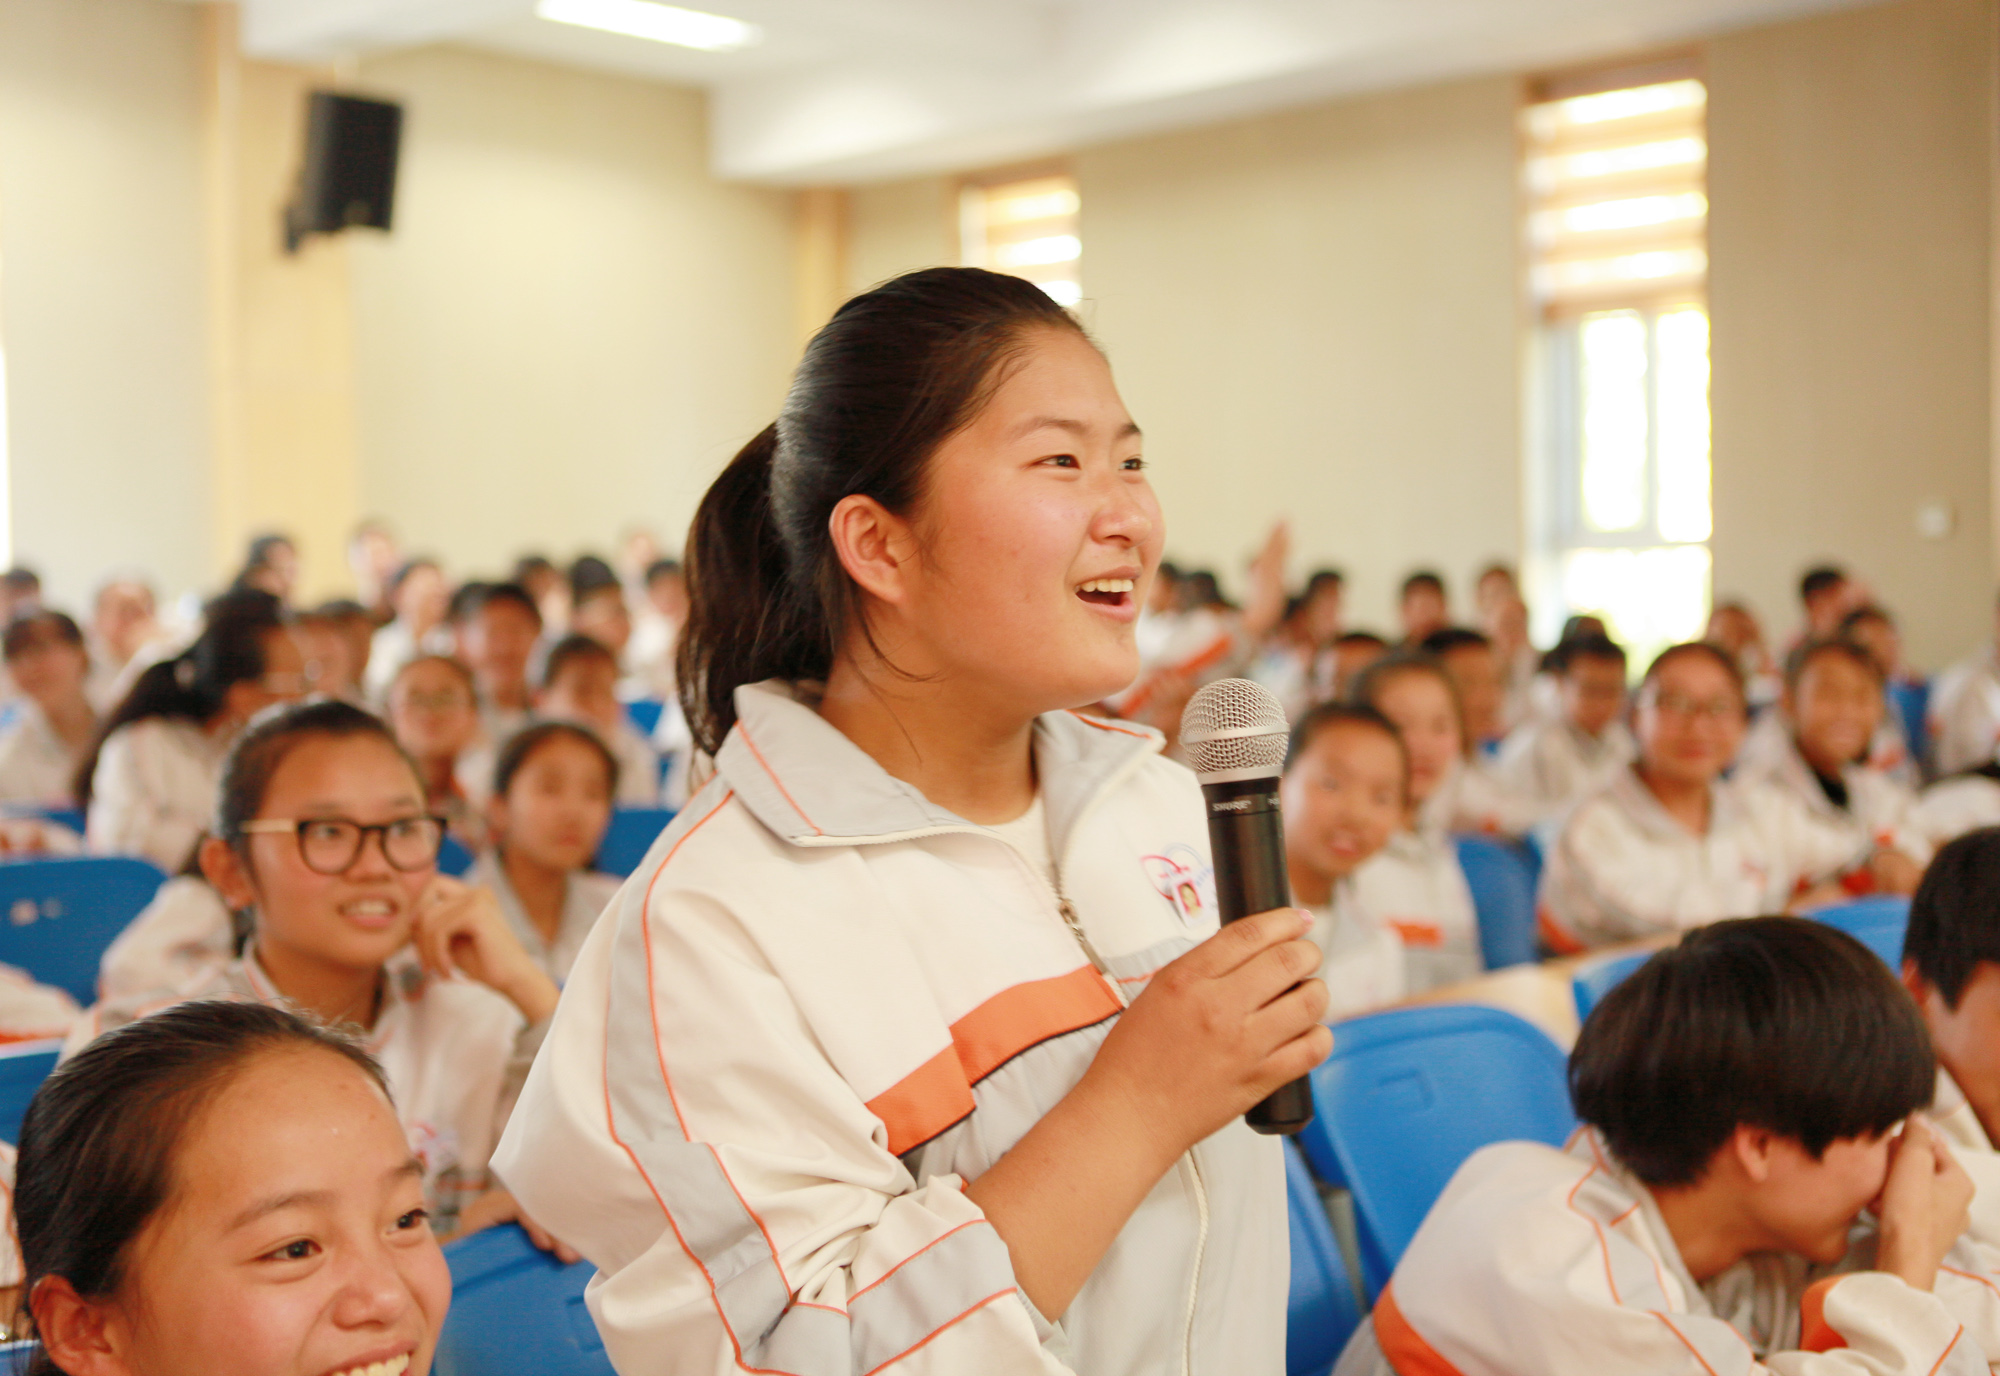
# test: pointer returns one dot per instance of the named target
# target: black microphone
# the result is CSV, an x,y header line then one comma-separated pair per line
x,y
1234,733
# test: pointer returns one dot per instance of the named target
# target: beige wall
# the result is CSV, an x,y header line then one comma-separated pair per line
x,y
1850,232
102,307
572,326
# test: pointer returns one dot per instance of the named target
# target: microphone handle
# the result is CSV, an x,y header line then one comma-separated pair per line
x,y
1246,836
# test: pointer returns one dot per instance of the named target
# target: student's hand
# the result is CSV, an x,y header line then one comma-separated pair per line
x,y
1894,871
498,1206
460,928
1924,1206
1217,1030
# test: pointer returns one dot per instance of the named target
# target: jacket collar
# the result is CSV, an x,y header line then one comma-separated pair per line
x,y
1725,808
813,786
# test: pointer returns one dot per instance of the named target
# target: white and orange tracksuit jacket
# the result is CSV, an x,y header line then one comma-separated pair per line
x,y
820,1006
1539,1262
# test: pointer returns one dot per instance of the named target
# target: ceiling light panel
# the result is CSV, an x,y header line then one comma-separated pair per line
x,y
713,33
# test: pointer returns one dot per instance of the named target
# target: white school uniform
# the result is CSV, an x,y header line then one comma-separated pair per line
x,y
393,646
1880,812
1964,713
1553,765
1951,807
1623,868
1288,673
674,742
1415,887
638,767
154,790
182,935
1361,960
585,896
454,1053
1473,798
1540,1262
37,769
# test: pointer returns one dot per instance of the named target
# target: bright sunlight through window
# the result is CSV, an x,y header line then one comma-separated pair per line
x,y
1027,228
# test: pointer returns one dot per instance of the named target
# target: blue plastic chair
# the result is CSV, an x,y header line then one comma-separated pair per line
x,y
1912,699
1503,893
1596,978
1322,1312
515,1308
1878,923
57,915
23,1067
1408,1094
453,858
71,817
630,835
644,714
14,1357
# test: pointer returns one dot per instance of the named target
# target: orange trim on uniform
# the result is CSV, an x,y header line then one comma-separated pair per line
x,y
1028,1014
1415,932
776,780
1815,1333
1402,1345
1554,936
1103,725
924,1102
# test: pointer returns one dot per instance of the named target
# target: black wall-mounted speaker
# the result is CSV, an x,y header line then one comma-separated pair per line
x,y
349,175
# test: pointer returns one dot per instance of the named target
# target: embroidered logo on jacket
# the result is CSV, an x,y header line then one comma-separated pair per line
x,y
1186,881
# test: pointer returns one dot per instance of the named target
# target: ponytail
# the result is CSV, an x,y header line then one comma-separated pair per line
x,y
897,371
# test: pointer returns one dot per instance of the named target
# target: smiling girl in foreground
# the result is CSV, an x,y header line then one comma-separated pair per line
x,y
224,1189
324,837
913,1040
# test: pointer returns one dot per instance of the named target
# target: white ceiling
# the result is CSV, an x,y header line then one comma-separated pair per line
x,y
860,90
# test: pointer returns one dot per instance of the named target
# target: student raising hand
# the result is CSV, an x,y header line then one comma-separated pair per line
x,y
460,930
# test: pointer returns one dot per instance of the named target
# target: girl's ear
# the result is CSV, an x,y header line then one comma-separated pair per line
x,y
224,867
81,1336
875,546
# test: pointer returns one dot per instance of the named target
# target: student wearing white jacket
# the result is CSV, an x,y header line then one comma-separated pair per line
x,y
913,1039
1741,1095
1555,762
1669,844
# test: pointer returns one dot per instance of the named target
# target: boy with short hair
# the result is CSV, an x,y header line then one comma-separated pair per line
x,y
1740,1097
1557,762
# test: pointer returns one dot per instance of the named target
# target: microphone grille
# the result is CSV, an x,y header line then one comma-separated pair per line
x,y
1234,729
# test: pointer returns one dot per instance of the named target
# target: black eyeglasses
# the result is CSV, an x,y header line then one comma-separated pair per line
x,y
330,845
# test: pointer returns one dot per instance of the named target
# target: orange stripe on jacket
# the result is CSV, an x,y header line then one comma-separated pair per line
x,y
1815,1333
939,1092
1405,1348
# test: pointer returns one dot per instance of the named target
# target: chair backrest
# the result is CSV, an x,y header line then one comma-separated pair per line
x,y
58,915
515,1308
1408,1094
23,1067
630,835
644,714
1878,923
1503,893
453,858
14,1357
1912,698
1596,978
1322,1312
71,817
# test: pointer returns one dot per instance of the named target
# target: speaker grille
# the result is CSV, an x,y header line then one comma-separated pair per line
x,y
1234,729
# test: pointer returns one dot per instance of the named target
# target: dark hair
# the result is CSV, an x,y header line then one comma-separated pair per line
x,y
1498,569
522,745
271,737
1168,572
101,1135
1369,683
895,372
1200,588
1360,638
1862,615
474,598
1445,639
1423,578
23,632
1323,578
1820,578
193,685
662,568
405,569
1331,714
20,579
457,665
590,574
1702,649
342,609
1807,651
573,649
1776,1022
1568,652
1955,914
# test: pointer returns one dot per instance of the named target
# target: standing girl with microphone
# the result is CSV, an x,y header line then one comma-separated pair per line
x,y
914,1040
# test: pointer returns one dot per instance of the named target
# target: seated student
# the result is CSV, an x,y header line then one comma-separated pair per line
x,y
1421,607
1354,651
1740,1095
1414,884
323,836
1293,663
1734,629
1556,762
495,627
552,792
1475,671
580,685
1669,844
1875,631
122,624
54,724
224,1188
149,783
335,639
656,631
597,606
433,709
1812,748
1344,791
421,600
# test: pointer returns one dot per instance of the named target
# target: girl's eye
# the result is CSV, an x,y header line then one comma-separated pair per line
x,y
1135,464
1062,460
299,1249
415,1218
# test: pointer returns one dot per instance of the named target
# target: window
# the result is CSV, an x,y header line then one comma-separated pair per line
x,y
1027,227
1616,230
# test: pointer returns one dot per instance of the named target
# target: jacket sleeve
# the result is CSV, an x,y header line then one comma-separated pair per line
x,y
683,1128
1598,887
